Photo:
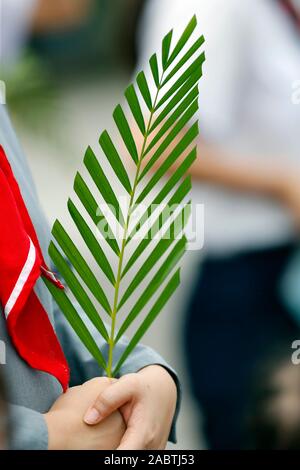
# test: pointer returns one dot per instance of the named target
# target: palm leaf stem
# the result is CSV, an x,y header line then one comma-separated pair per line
x,y
111,342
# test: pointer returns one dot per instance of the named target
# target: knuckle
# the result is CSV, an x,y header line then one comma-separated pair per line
x,y
100,382
102,402
133,381
107,381
104,380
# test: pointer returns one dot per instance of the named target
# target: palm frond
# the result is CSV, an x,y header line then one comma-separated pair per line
x,y
162,108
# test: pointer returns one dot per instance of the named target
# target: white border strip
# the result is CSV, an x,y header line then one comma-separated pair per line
x,y
22,279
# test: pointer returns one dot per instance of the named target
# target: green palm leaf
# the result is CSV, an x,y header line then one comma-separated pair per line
x,y
168,265
157,307
177,98
77,290
173,118
168,139
166,44
79,263
154,69
144,89
124,129
76,322
163,193
196,65
179,126
160,249
182,145
114,159
91,242
173,203
134,105
92,208
183,39
194,48
102,183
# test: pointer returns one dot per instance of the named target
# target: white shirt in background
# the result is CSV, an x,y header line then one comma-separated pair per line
x,y
246,107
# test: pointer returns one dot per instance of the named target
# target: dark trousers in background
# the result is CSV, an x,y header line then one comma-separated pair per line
x,y
234,318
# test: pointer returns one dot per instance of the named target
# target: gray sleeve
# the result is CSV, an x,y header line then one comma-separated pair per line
x,y
28,429
84,368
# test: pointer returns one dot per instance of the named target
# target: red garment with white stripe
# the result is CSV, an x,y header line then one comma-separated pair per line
x,y
21,264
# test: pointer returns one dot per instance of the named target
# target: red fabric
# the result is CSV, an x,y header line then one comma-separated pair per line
x,y
21,262
291,10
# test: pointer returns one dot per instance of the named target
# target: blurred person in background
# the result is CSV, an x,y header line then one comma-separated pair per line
x,y
70,32
47,47
247,175
21,18
274,411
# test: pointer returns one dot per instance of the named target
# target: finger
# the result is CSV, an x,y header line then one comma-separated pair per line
x,y
112,398
133,439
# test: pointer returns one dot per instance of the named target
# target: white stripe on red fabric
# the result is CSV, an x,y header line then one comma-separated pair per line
x,y
22,279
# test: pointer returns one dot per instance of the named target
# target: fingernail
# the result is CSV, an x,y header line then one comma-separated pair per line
x,y
92,416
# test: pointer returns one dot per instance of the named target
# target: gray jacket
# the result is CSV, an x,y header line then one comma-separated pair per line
x,y
31,392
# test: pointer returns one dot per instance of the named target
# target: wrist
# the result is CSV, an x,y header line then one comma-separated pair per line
x,y
56,440
163,399
157,375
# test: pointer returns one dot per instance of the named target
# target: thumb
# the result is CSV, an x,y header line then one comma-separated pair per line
x,y
133,439
112,398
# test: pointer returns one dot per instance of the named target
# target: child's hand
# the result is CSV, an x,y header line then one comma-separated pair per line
x,y
147,401
66,429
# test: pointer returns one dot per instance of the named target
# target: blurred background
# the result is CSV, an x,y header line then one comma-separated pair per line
x,y
229,331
